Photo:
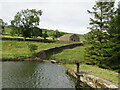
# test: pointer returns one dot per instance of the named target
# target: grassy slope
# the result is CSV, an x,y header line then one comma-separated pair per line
x,y
103,73
14,49
69,55
77,53
8,30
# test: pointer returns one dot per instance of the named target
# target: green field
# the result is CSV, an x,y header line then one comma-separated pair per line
x,y
17,49
94,70
69,55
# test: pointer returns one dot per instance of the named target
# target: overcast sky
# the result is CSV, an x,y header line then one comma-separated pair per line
x,y
64,15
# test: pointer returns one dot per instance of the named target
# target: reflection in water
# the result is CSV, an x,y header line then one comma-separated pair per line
x,y
33,74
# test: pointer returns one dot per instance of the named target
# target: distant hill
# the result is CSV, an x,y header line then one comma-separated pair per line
x,y
53,31
60,31
8,31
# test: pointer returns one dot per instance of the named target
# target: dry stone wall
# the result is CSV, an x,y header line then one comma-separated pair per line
x,y
21,39
43,54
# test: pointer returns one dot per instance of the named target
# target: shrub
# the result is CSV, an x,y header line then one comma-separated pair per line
x,y
32,48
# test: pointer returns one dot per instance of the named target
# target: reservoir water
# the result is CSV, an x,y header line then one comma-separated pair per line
x,y
34,74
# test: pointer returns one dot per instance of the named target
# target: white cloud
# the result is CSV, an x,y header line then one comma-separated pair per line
x,y
65,28
64,15
51,1
47,1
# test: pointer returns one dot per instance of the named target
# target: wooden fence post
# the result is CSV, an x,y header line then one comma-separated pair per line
x,y
78,64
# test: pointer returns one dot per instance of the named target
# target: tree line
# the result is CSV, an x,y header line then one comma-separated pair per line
x,y
103,40
25,24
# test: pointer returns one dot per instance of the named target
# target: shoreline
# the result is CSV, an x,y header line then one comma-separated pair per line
x,y
92,81
21,59
86,78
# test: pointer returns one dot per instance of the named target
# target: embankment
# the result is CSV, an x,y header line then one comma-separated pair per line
x,y
42,54
93,81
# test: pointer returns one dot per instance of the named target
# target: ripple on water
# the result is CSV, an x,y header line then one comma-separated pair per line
x,y
35,75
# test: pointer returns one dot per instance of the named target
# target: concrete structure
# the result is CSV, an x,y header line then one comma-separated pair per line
x,y
70,37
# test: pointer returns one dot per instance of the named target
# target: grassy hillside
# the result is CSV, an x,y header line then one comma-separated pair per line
x,y
69,55
13,49
94,70
17,49
8,30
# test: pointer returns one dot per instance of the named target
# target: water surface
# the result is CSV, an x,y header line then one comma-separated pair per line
x,y
34,74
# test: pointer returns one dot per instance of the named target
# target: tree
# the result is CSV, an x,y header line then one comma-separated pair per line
x,y
32,48
44,34
25,20
15,30
2,25
103,12
36,32
113,45
55,34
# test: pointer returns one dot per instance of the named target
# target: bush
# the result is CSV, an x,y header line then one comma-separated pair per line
x,y
32,48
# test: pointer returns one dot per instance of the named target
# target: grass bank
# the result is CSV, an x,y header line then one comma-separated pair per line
x,y
18,49
69,55
94,70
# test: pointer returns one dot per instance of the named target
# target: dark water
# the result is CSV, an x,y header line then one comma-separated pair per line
x,y
33,74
